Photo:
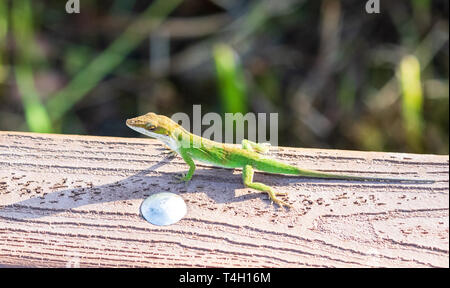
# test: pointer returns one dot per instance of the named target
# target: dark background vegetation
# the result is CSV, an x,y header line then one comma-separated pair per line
x,y
337,76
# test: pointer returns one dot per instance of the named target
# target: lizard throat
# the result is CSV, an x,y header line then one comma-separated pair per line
x,y
169,141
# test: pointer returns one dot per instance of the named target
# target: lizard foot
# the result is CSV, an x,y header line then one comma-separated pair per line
x,y
280,193
273,196
170,154
182,178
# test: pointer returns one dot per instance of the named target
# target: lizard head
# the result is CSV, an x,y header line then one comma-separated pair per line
x,y
153,125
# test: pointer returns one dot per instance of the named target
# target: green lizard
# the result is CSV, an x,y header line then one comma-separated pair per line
x,y
250,157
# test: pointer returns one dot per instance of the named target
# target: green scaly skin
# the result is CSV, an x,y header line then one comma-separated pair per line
x,y
250,157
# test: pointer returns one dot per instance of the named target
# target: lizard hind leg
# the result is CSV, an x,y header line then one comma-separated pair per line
x,y
247,177
262,148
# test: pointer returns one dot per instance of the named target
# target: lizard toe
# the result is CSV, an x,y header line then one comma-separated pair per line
x,y
273,196
280,193
181,178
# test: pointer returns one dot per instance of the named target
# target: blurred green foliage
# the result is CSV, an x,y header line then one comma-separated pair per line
x,y
337,76
36,115
110,58
412,100
3,33
231,80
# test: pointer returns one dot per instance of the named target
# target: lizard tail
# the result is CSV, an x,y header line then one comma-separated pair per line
x,y
274,166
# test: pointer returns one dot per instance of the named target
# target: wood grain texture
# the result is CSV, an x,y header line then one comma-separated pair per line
x,y
74,201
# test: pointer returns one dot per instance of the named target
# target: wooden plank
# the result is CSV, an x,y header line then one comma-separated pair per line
x,y
74,201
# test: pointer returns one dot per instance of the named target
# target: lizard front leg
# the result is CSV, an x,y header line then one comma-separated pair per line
x,y
247,177
188,159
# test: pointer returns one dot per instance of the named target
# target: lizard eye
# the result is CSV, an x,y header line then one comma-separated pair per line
x,y
151,127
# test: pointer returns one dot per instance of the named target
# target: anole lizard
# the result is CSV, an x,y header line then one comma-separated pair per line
x,y
250,157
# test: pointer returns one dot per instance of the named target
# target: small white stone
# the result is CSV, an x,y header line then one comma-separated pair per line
x,y
163,208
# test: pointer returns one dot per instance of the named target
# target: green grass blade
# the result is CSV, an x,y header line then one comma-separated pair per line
x,y
231,80
346,93
412,99
36,115
3,31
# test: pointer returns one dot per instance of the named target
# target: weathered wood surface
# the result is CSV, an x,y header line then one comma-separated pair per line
x,y
74,201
